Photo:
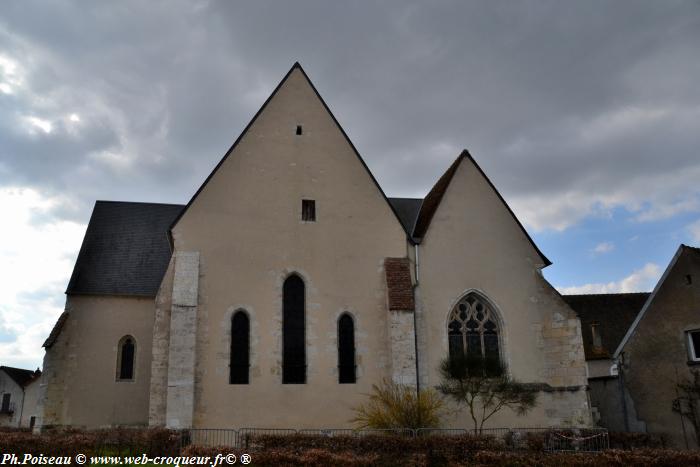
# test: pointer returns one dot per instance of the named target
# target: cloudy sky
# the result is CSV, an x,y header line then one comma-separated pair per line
x,y
586,116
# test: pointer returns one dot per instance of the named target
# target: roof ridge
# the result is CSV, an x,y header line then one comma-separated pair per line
x,y
137,202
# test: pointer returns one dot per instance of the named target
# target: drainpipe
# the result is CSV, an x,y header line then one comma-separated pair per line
x,y
21,408
415,321
621,385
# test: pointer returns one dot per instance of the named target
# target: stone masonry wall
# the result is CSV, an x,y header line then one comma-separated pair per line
x,y
161,346
182,345
403,349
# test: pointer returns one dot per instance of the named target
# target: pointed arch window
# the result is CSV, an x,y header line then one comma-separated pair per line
x,y
240,348
125,358
473,329
346,350
293,335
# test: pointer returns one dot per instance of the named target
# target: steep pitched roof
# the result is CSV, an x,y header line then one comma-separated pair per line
x,y
20,376
125,250
296,66
407,210
613,312
683,249
434,197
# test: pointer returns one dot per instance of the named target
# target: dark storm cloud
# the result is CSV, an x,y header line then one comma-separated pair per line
x,y
568,106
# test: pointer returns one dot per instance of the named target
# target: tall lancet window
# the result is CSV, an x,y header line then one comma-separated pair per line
x,y
346,350
293,336
125,358
240,348
473,329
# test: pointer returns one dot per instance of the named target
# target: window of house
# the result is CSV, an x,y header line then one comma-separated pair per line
x,y
308,210
298,130
125,359
5,407
595,335
293,335
473,330
240,348
694,345
346,350
32,422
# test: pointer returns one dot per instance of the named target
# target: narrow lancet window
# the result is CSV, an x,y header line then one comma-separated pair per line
x,y
125,360
240,348
346,350
293,335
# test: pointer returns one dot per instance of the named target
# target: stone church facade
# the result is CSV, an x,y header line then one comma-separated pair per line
x,y
290,284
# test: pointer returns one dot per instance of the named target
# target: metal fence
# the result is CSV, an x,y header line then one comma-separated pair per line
x,y
550,439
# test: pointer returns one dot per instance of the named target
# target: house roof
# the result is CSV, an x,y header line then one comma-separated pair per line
x,y
613,312
399,284
125,250
682,249
434,197
407,209
20,376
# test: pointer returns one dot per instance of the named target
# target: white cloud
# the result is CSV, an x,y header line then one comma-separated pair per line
x,y
641,280
602,248
36,264
694,230
10,75
39,123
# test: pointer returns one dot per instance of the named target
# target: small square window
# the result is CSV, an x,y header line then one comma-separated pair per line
x,y
308,210
299,131
694,345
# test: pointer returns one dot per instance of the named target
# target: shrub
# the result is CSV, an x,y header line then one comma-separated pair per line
x,y
397,406
624,440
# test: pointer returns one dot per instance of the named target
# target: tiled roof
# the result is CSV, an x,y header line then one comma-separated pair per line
x,y
433,198
399,284
56,330
614,314
407,209
125,250
20,376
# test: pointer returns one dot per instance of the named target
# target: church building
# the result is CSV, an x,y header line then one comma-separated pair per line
x,y
289,284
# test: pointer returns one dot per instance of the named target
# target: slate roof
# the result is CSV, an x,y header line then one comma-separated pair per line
x,y
615,313
407,209
20,376
399,284
126,249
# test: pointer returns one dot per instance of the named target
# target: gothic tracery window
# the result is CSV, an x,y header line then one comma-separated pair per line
x,y
473,329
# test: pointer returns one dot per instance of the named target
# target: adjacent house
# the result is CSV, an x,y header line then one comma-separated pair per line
x,y
660,353
289,284
605,318
643,354
19,390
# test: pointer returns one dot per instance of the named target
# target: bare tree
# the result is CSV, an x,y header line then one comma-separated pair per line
x,y
482,385
687,404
